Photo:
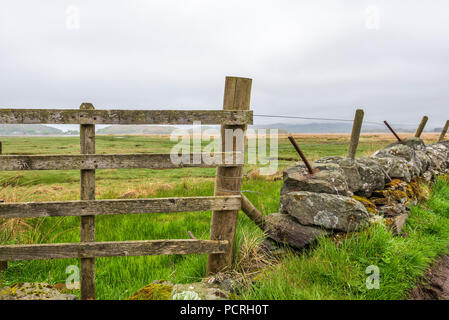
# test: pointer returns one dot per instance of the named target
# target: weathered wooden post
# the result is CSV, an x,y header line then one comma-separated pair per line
x,y
355,134
228,180
87,143
251,211
444,131
421,126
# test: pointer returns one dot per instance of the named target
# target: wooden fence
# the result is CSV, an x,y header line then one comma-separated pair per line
x,y
224,204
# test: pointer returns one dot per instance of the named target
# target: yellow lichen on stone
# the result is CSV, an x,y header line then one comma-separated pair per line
x,y
153,292
370,206
421,190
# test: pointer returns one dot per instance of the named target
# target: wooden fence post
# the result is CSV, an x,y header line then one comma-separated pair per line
x,y
444,131
355,135
87,144
228,180
421,126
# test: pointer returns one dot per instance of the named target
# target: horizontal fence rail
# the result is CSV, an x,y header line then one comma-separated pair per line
x,y
110,249
112,161
234,116
117,206
75,116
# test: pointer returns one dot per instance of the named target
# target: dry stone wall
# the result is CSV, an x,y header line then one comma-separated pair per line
x,y
346,195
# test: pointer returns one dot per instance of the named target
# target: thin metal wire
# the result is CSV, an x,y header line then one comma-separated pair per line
x,y
327,119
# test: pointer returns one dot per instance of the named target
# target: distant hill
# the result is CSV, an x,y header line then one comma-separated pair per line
x,y
136,129
27,129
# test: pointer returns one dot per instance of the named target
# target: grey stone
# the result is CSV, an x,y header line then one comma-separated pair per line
x,y
414,143
395,168
284,229
438,155
329,211
198,291
424,159
272,248
363,176
402,151
329,179
372,177
428,175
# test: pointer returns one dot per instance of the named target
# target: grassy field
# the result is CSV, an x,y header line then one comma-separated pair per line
x,y
118,278
338,271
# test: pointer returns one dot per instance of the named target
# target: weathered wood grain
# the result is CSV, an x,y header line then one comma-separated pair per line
x,y
105,161
421,127
228,180
251,211
86,250
71,116
118,206
87,192
355,134
444,131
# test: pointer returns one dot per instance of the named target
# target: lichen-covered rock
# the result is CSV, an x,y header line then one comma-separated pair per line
x,y
414,143
329,178
424,159
34,291
402,151
438,155
395,199
333,212
372,176
229,282
160,290
284,229
369,205
395,167
363,176
350,170
198,291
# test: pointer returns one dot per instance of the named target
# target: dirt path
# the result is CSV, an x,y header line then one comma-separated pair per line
x,y
436,286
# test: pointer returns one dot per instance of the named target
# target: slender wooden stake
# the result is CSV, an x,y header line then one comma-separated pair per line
x,y
355,135
421,126
251,211
444,131
87,143
228,180
0,148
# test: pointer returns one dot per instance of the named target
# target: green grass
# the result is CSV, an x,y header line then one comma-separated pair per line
x,y
331,271
118,278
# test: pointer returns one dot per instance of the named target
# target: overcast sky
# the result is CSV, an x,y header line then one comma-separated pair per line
x,y
314,58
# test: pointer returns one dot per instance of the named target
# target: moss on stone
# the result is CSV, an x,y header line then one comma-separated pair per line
x,y
152,291
370,206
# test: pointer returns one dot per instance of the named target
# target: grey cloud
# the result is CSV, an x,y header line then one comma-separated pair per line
x,y
306,58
